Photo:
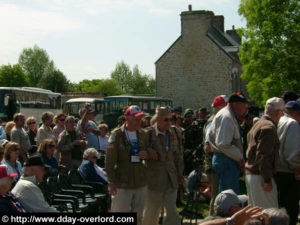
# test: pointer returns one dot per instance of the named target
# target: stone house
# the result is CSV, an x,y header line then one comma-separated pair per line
x,y
201,64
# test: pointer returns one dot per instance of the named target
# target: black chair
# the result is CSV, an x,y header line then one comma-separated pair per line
x,y
62,205
90,198
77,196
100,188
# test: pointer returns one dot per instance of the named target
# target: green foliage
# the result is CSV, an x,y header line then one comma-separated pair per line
x,y
36,63
106,86
270,53
12,76
132,82
54,80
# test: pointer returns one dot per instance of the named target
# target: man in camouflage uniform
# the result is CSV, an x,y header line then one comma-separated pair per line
x,y
164,169
193,136
125,167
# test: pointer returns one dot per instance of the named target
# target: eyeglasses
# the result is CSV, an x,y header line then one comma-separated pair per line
x,y
168,120
30,123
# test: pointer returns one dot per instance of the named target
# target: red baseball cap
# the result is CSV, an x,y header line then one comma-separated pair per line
x,y
4,172
219,100
133,110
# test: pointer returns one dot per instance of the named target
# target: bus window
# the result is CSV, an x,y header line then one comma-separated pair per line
x,y
74,109
145,106
152,105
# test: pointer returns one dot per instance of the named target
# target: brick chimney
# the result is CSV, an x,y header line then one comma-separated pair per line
x,y
196,22
219,22
234,35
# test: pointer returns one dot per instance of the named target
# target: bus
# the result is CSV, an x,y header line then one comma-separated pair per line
x,y
109,108
27,100
116,105
72,106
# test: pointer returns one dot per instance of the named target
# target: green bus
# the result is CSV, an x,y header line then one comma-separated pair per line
x,y
116,105
110,108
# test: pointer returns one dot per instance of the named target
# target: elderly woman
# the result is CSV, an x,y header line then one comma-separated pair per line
x,y
31,124
45,131
60,124
11,154
8,202
8,127
89,170
70,145
46,151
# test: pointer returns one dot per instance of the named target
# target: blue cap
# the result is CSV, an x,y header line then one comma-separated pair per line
x,y
293,105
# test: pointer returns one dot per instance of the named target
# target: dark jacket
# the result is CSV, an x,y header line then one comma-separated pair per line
x,y
88,172
10,204
263,146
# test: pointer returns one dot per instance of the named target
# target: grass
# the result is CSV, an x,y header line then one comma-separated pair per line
x,y
203,207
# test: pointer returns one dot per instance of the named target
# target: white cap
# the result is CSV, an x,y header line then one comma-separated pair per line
x,y
275,103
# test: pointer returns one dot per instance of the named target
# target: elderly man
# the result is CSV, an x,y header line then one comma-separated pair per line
x,y
164,169
19,135
225,141
124,165
219,103
27,191
289,155
89,127
262,156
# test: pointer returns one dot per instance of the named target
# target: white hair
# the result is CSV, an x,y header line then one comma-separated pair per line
x,y
89,152
277,216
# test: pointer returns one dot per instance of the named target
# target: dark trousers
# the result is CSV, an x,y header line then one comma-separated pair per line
x,y
288,196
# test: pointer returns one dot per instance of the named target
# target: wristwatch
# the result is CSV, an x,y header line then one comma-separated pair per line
x,y
229,221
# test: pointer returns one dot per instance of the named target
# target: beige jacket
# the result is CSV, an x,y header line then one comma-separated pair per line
x,y
169,167
224,134
120,171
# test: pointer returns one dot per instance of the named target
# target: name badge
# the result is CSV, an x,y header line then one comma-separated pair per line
x,y
134,154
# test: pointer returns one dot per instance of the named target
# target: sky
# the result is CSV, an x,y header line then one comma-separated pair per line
x,y
87,38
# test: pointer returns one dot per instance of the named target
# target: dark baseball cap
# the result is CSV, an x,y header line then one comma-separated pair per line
x,y
292,105
237,97
35,161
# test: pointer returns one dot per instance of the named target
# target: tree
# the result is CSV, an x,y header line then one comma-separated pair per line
x,y
132,82
106,87
270,53
122,76
54,80
36,63
12,76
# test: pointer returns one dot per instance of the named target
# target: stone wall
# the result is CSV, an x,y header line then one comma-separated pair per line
x,y
194,70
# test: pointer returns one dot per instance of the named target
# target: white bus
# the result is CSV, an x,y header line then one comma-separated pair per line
x,y
72,106
29,101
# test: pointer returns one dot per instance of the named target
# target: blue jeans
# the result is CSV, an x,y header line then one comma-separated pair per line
x,y
227,172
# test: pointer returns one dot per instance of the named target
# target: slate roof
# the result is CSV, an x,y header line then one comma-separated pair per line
x,y
224,41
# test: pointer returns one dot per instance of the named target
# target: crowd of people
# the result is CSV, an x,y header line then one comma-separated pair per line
x,y
228,157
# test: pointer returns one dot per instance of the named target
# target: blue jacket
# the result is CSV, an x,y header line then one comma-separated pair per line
x,y
88,172
10,204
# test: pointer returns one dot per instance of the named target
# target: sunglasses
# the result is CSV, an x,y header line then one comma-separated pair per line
x,y
1,153
16,149
51,146
30,123
95,157
167,120
62,120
